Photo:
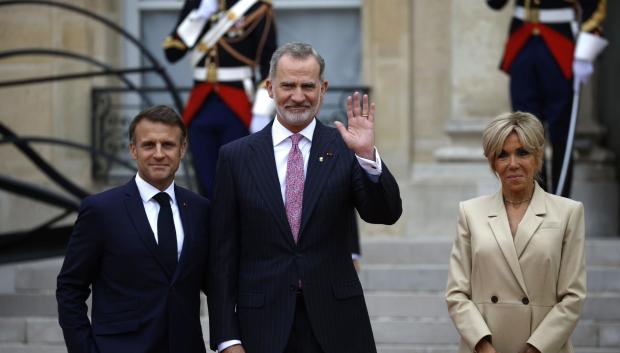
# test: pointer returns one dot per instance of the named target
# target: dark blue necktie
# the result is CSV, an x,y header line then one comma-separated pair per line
x,y
166,233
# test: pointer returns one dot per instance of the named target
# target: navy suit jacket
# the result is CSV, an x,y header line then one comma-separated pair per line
x,y
138,305
256,265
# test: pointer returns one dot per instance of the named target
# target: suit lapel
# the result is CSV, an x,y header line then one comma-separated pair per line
x,y
263,168
532,219
320,162
498,221
188,238
135,210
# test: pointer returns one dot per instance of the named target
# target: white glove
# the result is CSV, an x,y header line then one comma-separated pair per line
x,y
259,122
582,70
205,9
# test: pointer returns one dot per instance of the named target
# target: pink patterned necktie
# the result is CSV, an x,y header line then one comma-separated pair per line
x,y
294,186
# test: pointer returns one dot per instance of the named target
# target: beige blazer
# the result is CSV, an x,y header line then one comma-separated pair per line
x,y
530,290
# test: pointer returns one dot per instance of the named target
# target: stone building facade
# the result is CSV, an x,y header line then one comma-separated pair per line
x,y
432,66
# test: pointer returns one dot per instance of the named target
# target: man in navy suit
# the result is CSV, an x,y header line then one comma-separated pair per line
x,y
142,248
281,276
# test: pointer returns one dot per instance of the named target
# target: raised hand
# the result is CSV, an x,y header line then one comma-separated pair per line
x,y
360,133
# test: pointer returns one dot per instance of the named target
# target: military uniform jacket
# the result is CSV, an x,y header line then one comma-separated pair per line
x,y
559,36
250,43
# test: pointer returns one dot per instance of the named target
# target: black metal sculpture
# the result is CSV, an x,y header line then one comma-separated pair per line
x,y
49,239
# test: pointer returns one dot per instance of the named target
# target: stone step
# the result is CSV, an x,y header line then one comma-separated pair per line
x,y
598,306
387,330
588,333
28,305
421,348
423,277
396,250
45,330
433,278
406,304
40,276
37,276
416,348
32,348
603,252
436,250
381,348
32,330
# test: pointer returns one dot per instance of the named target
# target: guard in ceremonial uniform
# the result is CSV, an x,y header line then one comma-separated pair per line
x,y
230,42
548,52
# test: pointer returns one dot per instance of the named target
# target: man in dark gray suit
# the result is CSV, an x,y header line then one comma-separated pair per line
x,y
281,276
142,250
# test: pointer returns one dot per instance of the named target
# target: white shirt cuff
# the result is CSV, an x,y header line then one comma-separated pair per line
x,y
371,167
355,256
226,344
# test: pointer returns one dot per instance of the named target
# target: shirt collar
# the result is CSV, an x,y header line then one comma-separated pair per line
x,y
147,191
279,133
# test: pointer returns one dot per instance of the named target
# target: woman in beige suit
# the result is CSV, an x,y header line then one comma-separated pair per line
x,y
517,278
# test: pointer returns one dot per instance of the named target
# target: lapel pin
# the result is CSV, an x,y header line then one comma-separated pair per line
x,y
184,204
321,159
329,154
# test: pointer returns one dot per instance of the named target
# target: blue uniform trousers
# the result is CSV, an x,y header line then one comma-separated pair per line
x,y
214,126
537,86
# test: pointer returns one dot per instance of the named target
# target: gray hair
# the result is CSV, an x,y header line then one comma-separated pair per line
x,y
299,51
528,128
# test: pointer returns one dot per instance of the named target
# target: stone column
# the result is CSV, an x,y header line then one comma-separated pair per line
x,y
458,87
467,90
387,67
56,109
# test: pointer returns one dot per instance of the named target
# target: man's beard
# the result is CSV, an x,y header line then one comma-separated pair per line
x,y
301,118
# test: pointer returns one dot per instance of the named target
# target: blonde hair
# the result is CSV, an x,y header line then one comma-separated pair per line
x,y
528,128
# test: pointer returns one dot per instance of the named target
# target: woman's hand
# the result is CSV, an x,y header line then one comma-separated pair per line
x,y
484,346
532,349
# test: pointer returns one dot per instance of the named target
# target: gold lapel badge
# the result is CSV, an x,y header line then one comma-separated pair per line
x,y
327,155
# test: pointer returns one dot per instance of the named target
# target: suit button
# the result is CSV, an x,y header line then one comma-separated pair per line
x,y
494,299
525,301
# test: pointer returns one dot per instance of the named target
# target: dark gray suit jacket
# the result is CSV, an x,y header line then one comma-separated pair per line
x,y
138,304
256,265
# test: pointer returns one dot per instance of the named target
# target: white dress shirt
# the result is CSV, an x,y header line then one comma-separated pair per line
x,y
281,147
151,207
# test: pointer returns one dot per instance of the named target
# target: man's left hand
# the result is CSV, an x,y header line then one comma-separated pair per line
x,y
360,133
